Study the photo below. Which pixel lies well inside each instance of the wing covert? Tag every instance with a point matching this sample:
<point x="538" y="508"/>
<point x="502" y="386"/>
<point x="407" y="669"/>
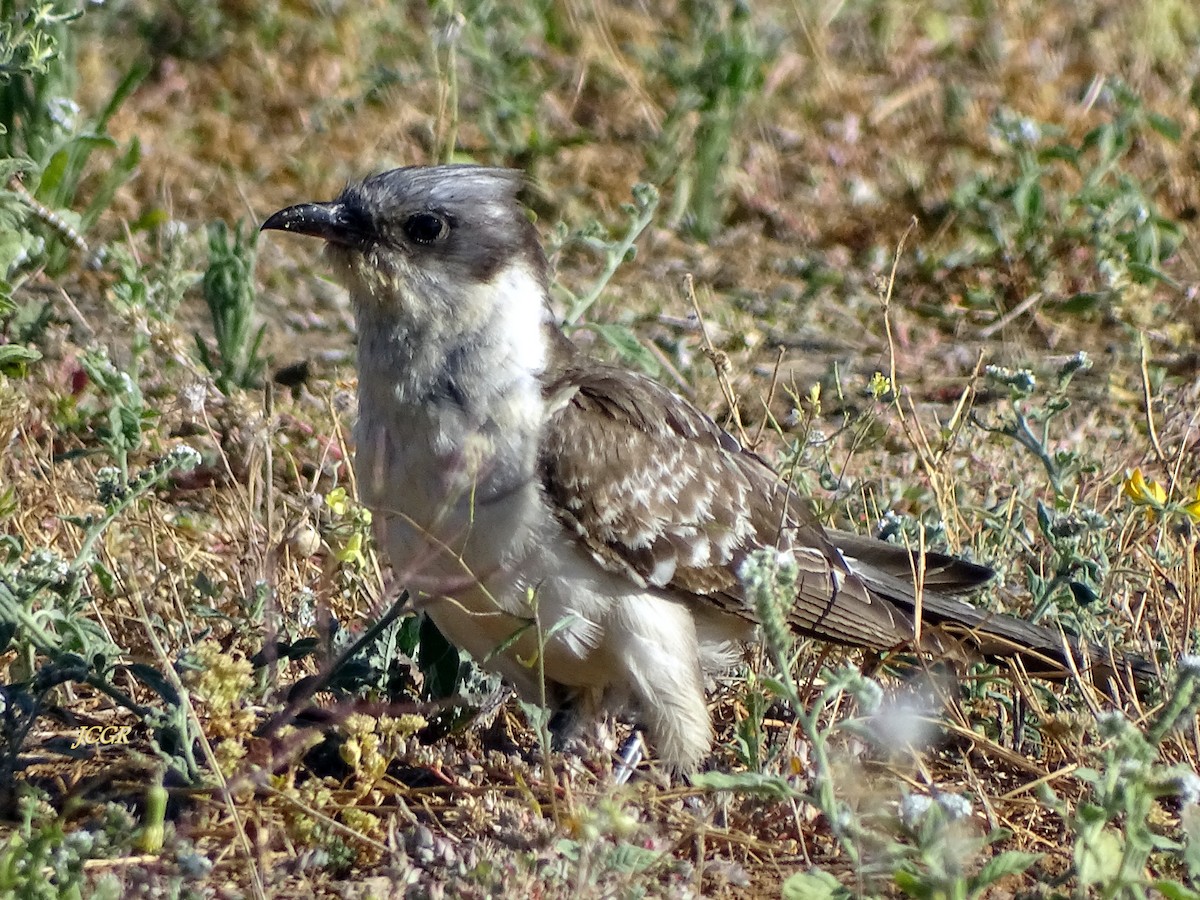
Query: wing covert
<point x="657" y="491"/>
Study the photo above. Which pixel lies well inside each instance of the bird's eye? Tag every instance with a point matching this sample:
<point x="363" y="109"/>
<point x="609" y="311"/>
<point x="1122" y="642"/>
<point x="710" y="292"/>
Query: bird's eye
<point x="425" y="228"/>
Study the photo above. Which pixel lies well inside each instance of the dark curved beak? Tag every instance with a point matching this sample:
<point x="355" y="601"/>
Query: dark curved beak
<point x="321" y="220"/>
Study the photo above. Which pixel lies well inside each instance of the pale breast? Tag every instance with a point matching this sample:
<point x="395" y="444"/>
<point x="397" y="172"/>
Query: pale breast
<point x="453" y="505"/>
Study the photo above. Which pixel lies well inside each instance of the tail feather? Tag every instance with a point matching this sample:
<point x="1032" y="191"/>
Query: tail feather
<point x="889" y="571"/>
<point x="945" y="573"/>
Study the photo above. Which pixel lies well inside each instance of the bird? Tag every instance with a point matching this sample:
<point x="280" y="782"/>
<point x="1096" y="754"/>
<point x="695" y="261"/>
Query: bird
<point x="572" y="524"/>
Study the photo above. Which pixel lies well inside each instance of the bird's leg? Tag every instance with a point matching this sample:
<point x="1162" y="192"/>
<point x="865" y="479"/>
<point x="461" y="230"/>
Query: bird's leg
<point x="565" y="722"/>
<point x="629" y="756"/>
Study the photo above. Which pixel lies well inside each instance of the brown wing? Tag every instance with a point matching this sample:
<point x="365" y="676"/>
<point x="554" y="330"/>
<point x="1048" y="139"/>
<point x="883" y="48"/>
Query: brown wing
<point x="656" y="490"/>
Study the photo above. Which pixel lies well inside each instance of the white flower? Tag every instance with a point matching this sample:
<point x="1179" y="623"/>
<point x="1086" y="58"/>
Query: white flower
<point x="1189" y="664"/>
<point x="913" y="809"/>
<point x="63" y="112"/>
<point x="956" y="806"/>
<point x="1187" y="785"/>
<point x="183" y="456"/>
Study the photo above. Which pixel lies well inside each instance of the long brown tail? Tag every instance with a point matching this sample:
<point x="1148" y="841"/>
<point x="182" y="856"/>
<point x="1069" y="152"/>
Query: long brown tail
<point x="888" y="572"/>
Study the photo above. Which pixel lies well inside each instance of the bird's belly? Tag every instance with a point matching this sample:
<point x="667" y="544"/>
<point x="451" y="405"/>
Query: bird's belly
<point x="470" y="529"/>
<point x="544" y="617"/>
<point x="449" y="517"/>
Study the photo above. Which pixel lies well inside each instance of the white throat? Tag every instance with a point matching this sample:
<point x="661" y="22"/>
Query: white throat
<point x="472" y="343"/>
<point x="451" y="411"/>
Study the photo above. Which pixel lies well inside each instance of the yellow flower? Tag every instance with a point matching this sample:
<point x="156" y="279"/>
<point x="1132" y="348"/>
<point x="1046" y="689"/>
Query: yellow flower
<point x="352" y="551"/>
<point x="338" y="501"/>
<point x="879" y="386"/>
<point x="1193" y="508"/>
<point x="1143" y="492"/>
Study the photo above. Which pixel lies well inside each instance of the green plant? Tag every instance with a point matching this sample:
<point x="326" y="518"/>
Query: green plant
<point x="14" y="358"/>
<point x="933" y="857"/>
<point x="40" y="860"/>
<point x="1115" y="835"/>
<point x="1050" y="195"/>
<point x="383" y="665"/>
<point x="944" y="846"/>
<point x="1078" y="565"/>
<point x="750" y="740"/>
<point x="44" y="143"/>
<point x="1076" y="535"/>
<point x="230" y="296"/>
<point x="717" y="68"/>
<point x="603" y="846"/>
<point x="613" y="250"/>
<point x="43" y="614"/>
<point x="126" y="416"/>
<point x="1029" y="425"/>
<point x="156" y="287"/>
<point x="495" y="44"/>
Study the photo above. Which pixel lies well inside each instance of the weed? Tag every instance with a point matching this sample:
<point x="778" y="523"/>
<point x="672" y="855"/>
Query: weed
<point x="14" y="358"/>
<point x="613" y="251"/>
<point x="1052" y="195"/>
<point x="944" y="847"/>
<point x="1115" y="834"/>
<point x="494" y="42"/>
<point x="43" y="613"/>
<point x="41" y="860"/>
<point x="127" y="416"/>
<point x="154" y="288"/>
<point x="716" y="68"/>
<point x="1029" y="426"/>
<point x="936" y="859"/>
<point x="230" y="297"/>
<point x="45" y="144"/>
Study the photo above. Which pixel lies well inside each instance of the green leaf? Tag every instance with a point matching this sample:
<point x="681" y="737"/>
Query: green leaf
<point x="813" y="885"/>
<point x="155" y="680"/>
<point x="1084" y="594"/>
<point x="1029" y="202"/>
<point x="1012" y="862"/>
<point x="760" y="784"/>
<point x="104" y="576"/>
<point x="627" y="344"/>
<point x="630" y="858"/>
<point x="775" y="687"/>
<point x="115" y="176"/>
<point x="438" y="661"/>
<point x="56" y="188"/>
<point x="149" y="219"/>
<point x="1189" y="820"/>
<point x="1162" y="843"/>
<point x="911" y="884"/>
<point x="1144" y="274"/>
<point x="1083" y="302"/>
<point x="128" y="85"/>
<point x="1098" y="857"/>
<point x="509" y="641"/>
<point x="283" y="650"/>
<point x="1173" y="890"/>
<point x="14" y="358"/>
<point x="7" y="631"/>
<point x="1164" y="125"/>
<point x="1059" y="153"/>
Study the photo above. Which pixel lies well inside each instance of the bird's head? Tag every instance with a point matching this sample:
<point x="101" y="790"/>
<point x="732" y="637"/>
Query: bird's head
<point x="442" y="237"/>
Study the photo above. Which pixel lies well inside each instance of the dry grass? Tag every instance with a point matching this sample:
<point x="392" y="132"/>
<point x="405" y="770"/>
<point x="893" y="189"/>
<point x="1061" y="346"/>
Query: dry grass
<point x="867" y="116"/>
